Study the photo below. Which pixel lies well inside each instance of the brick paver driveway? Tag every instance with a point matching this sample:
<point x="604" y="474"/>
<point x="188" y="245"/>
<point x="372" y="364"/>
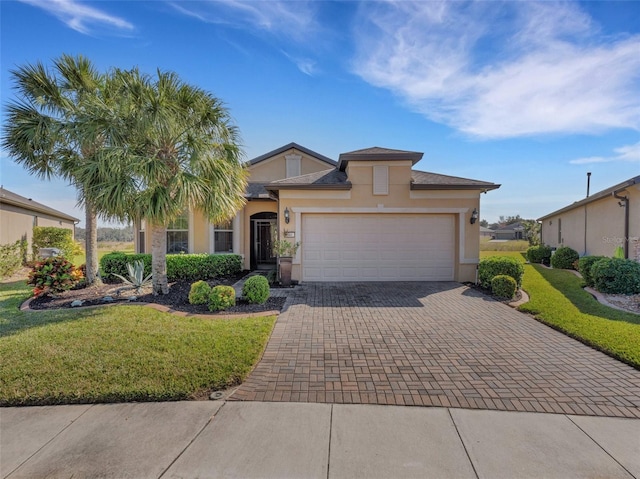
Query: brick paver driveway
<point x="432" y="344"/>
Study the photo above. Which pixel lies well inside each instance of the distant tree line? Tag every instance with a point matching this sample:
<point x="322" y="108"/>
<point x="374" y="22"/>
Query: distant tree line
<point x="121" y="235"/>
<point x="531" y="227"/>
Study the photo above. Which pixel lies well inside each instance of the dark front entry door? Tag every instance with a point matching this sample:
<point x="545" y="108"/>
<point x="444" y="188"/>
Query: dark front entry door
<point x="264" y="233"/>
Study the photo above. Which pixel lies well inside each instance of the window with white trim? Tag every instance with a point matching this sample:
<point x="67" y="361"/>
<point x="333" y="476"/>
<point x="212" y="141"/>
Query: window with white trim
<point x="381" y="180"/>
<point x="223" y="237"/>
<point x="178" y="235"/>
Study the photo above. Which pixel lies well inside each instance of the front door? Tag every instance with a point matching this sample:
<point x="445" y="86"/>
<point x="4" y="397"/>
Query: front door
<point x="264" y="231"/>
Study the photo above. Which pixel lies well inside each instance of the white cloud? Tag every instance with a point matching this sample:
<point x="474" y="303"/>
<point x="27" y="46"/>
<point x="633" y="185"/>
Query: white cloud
<point x="79" y="16"/>
<point x="624" y="153"/>
<point x="499" y="70"/>
<point x="282" y="18"/>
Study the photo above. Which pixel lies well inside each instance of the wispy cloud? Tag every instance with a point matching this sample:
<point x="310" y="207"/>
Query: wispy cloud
<point x="499" y="70"/>
<point x="80" y="17"/>
<point x="282" y="18"/>
<point x="624" y="153"/>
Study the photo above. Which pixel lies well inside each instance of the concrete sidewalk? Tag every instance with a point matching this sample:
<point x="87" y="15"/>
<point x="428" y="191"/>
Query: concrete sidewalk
<point x="301" y="440"/>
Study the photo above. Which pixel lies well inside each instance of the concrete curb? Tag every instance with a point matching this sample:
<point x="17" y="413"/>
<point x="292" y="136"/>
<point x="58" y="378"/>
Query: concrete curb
<point x="524" y="298"/>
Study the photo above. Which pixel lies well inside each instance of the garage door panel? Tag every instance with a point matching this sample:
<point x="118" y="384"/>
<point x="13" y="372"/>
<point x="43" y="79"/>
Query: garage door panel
<point x="377" y="247"/>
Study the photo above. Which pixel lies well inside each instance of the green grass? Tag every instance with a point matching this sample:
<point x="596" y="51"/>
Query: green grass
<point x="512" y="254"/>
<point x="121" y="353"/>
<point x="558" y="300"/>
<point x="105" y="247"/>
<point x="511" y="245"/>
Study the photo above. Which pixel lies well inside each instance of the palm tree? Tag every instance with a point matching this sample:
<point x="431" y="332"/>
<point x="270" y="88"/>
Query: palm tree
<point x="42" y="132"/>
<point x="170" y="147"/>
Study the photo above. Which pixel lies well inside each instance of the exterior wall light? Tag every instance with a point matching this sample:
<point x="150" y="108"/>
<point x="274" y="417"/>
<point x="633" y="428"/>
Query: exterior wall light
<point x="474" y="216"/>
<point x="287" y="217"/>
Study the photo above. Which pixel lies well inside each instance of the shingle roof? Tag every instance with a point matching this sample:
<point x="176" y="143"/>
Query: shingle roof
<point x="596" y="196"/>
<point x="289" y="146"/>
<point x="331" y="179"/>
<point x="377" y="153"/>
<point x="15" y="199"/>
<point x="424" y="180"/>
<point x="256" y="191"/>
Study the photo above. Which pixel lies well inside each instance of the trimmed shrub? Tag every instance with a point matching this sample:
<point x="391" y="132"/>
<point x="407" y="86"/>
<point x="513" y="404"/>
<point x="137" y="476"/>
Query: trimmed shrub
<point x="503" y="286"/>
<point x="53" y="275"/>
<point x="221" y="297"/>
<point x="12" y="256"/>
<point x="256" y="289"/>
<point x="490" y="267"/>
<point x="539" y="254"/>
<point x="188" y="267"/>
<point x="564" y="257"/>
<point x="199" y="292"/>
<point x="616" y="276"/>
<point x="52" y="237"/>
<point x="584" y="267"/>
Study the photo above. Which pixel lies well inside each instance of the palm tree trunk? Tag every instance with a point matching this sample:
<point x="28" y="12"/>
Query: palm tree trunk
<point x="91" y="244"/>
<point x="159" y="259"/>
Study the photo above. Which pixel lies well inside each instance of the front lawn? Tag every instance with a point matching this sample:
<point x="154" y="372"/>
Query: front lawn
<point x="122" y="353"/>
<point x="557" y="299"/>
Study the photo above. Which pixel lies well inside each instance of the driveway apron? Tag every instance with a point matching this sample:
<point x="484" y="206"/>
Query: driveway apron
<point x="432" y="344"/>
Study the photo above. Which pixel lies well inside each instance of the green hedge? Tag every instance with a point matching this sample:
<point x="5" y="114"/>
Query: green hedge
<point x="12" y="256"/>
<point x="490" y="267"/>
<point x="616" y="276"/>
<point x="52" y="237"/>
<point x="539" y="254"/>
<point x="564" y="258"/>
<point x="503" y="286"/>
<point x="584" y="267"/>
<point x="188" y="267"/>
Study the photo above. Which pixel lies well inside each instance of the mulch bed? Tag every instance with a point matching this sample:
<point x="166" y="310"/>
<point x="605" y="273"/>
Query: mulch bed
<point x="177" y="298"/>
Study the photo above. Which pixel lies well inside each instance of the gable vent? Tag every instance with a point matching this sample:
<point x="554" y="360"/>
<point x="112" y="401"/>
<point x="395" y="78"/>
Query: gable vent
<point x="381" y="180"/>
<point x="293" y="165"/>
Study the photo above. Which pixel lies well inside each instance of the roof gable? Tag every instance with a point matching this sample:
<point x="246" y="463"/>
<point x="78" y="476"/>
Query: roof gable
<point x="289" y="146"/>
<point x="376" y="153"/>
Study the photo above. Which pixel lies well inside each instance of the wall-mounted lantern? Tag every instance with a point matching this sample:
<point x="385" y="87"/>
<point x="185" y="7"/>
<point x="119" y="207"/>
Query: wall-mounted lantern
<point x="287" y="217"/>
<point x="474" y="216"/>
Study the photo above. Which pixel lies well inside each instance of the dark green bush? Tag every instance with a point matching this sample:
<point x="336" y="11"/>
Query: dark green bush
<point x="616" y="276"/>
<point x="53" y="275"/>
<point x="52" y="237"/>
<point x="12" y="256"/>
<point x="221" y="297"/>
<point x="539" y="254"/>
<point x="199" y="292"/>
<point x="188" y="267"/>
<point x="490" y="267"/>
<point x="503" y="286"/>
<point x="564" y="257"/>
<point x="256" y="289"/>
<point x="584" y="267"/>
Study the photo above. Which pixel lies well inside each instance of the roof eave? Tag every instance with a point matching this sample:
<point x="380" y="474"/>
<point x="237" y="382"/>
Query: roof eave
<point x="277" y="187"/>
<point x="482" y="188"/>
<point x="36" y="208"/>
<point x="345" y="158"/>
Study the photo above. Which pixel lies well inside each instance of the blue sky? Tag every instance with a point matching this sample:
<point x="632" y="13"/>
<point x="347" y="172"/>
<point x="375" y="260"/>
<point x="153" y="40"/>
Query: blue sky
<point x="530" y="95"/>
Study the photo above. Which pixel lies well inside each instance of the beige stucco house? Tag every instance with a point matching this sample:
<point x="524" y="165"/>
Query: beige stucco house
<point x="367" y="217"/>
<point x="596" y="225"/>
<point x="18" y="216"/>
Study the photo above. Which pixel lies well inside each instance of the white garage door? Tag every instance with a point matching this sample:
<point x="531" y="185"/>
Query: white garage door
<point x="377" y="247"/>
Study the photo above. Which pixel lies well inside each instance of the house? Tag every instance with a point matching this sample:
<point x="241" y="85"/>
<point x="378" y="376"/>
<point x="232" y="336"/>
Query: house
<point x="514" y="231"/>
<point x="18" y="216"/>
<point x="367" y="217"/>
<point x="599" y="223"/>
<point x="486" y="232"/>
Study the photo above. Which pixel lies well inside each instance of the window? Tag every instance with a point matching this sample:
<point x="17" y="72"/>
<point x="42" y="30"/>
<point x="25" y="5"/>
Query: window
<point x="178" y="235"/>
<point x="293" y="165"/>
<point x="381" y="180"/>
<point x="559" y="231"/>
<point x="223" y="238"/>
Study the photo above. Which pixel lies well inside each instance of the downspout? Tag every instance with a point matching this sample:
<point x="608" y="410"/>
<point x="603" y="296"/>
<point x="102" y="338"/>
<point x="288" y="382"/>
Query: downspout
<point x="625" y="203"/>
<point x="585" y="212"/>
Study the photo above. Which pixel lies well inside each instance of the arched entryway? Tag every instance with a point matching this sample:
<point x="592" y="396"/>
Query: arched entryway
<point x="263" y="233"/>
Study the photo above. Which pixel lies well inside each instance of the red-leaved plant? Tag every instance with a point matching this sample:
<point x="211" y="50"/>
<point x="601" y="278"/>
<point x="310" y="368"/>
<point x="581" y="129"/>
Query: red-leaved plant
<point x="53" y="275"/>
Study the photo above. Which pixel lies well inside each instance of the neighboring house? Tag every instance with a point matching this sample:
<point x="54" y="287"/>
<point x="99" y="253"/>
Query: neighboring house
<point x="18" y="216"/>
<point x="486" y="232"/>
<point x="367" y="217"/>
<point x="513" y="231"/>
<point x="599" y="223"/>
